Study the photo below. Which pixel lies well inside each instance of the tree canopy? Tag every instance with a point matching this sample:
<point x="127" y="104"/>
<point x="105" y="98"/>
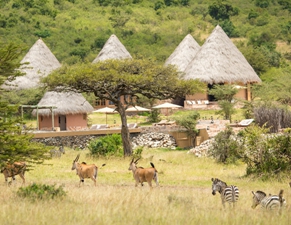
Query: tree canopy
<point x="9" y="54"/>
<point x="112" y="79"/>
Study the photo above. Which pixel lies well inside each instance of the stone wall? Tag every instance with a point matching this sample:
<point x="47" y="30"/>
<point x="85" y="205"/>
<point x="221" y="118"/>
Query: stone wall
<point x="82" y="141"/>
<point x="75" y="142"/>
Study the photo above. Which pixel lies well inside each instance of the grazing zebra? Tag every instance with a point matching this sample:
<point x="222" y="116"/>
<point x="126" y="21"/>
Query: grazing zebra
<point x="57" y="152"/>
<point x="271" y="202"/>
<point x="228" y="194"/>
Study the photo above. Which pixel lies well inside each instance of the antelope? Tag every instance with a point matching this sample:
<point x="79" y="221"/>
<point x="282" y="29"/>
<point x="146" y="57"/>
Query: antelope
<point x="143" y="175"/>
<point x="85" y="171"/>
<point x="11" y="170"/>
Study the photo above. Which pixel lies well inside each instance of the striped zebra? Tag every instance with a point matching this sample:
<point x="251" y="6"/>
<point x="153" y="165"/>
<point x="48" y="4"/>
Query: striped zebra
<point x="271" y="202"/>
<point x="57" y="152"/>
<point x="228" y="194"/>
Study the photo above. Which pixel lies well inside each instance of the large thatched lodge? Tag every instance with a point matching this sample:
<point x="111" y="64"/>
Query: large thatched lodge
<point x="217" y="61"/>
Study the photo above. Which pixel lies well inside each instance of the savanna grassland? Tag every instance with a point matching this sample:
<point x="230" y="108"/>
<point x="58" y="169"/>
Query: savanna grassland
<point x="184" y="195"/>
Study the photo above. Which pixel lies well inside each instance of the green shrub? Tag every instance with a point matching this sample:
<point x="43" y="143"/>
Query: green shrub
<point x="225" y="148"/>
<point x="189" y="122"/>
<point x="107" y="145"/>
<point x="137" y="152"/>
<point x="154" y="116"/>
<point x="267" y="156"/>
<point x="41" y="191"/>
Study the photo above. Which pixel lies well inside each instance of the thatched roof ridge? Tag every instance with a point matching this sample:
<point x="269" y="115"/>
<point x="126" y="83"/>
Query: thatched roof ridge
<point x="113" y="49"/>
<point x="184" y="53"/>
<point x="41" y="63"/>
<point x="219" y="61"/>
<point x="66" y="103"/>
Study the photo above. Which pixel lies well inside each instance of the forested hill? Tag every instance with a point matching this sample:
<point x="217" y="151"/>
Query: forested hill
<point x="76" y="30"/>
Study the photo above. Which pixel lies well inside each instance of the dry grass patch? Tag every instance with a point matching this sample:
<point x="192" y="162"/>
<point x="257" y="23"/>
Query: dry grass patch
<point x="184" y="196"/>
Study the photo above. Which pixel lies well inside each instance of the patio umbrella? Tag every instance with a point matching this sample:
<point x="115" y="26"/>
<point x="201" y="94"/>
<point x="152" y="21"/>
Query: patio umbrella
<point x="105" y="110"/>
<point x="167" y="106"/>
<point x="137" y="109"/>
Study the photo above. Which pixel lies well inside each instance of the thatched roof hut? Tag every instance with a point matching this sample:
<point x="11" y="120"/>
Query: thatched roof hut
<point x="66" y="103"/>
<point x="219" y="61"/>
<point x="184" y="53"/>
<point x="113" y="49"/>
<point x="41" y="63"/>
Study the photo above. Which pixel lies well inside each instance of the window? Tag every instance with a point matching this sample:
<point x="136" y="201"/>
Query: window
<point x="100" y="102"/>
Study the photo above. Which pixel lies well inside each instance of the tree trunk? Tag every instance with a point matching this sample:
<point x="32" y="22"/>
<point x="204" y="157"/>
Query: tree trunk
<point x="127" y="148"/>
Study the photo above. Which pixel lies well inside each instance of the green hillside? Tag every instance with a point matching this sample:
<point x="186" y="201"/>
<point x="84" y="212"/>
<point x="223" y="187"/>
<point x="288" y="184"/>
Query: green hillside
<point x="76" y="30"/>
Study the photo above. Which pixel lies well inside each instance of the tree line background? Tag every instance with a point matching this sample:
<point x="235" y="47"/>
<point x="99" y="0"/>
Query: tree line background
<point x="76" y="30"/>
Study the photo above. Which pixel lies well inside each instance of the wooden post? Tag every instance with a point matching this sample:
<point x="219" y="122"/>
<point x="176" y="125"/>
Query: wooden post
<point x="249" y="94"/>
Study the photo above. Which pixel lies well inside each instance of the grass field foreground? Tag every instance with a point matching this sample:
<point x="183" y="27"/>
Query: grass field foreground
<point x="184" y="195"/>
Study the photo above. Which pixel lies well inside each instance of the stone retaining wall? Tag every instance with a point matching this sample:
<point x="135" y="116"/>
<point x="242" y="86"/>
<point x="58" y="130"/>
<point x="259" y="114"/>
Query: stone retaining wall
<point x="82" y="141"/>
<point x="75" y="142"/>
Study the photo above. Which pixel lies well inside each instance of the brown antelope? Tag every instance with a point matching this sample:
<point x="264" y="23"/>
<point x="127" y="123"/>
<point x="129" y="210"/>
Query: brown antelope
<point x="85" y="171"/>
<point x="11" y="170"/>
<point x="143" y="175"/>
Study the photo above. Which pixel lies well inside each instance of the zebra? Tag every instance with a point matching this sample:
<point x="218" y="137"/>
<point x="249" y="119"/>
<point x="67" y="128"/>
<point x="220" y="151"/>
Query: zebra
<point x="271" y="202"/>
<point x="228" y="194"/>
<point x="57" y="152"/>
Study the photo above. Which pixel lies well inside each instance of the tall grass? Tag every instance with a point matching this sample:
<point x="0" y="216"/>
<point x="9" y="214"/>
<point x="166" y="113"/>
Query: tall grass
<point x="184" y="195"/>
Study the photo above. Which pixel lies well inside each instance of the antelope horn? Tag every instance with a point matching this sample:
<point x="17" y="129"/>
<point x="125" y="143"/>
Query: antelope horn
<point x="136" y="160"/>
<point x="77" y="158"/>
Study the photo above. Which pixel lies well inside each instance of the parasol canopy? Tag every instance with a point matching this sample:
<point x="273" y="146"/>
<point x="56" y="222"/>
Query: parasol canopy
<point x="105" y="110"/>
<point x="167" y="106"/>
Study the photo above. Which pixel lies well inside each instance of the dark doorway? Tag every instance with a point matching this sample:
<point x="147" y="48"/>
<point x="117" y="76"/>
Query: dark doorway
<point x="211" y="98"/>
<point x="62" y="122"/>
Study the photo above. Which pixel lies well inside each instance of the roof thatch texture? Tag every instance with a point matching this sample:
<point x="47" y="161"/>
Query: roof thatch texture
<point x="184" y="53"/>
<point x="113" y="49"/>
<point x="41" y="63"/>
<point x="66" y="103"/>
<point x="219" y="61"/>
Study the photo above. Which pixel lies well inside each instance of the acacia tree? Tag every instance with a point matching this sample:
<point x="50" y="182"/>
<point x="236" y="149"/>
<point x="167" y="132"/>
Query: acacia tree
<point x="112" y="79"/>
<point x="15" y="143"/>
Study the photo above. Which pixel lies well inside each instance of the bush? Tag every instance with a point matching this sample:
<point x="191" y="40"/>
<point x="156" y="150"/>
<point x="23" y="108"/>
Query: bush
<point x="137" y="152"/>
<point x="272" y="116"/>
<point x="189" y="122"/>
<point x="267" y="156"/>
<point x="154" y="116"/>
<point x="107" y="145"/>
<point x="225" y="148"/>
<point x="41" y="191"/>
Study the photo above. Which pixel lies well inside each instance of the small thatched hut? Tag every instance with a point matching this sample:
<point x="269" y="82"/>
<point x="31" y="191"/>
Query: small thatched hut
<point x="41" y="63"/>
<point x="69" y="113"/>
<point x="184" y="53"/>
<point x="113" y="49"/>
<point x="219" y="62"/>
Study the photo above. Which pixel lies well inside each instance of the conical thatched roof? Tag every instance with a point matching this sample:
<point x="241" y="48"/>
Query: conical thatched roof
<point x="41" y="63"/>
<point x="66" y="103"/>
<point x="220" y="61"/>
<point x="184" y="53"/>
<point x="113" y="49"/>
